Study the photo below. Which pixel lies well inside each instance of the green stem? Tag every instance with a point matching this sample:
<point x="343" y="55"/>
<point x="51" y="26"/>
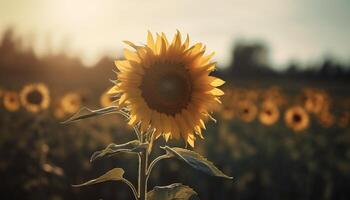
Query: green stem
<point x="143" y="161"/>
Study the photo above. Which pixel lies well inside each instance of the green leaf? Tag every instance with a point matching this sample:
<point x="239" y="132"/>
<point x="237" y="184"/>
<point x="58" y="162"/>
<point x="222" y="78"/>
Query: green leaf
<point x="115" y="174"/>
<point x="171" y="192"/>
<point x="112" y="149"/>
<point x="85" y="113"/>
<point x="195" y="160"/>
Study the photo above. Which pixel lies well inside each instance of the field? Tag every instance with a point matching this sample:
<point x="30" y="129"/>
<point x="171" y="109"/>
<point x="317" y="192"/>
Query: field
<point x="41" y="157"/>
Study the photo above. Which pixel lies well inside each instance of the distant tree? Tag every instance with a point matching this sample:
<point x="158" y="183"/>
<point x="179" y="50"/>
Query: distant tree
<point x="8" y="41"/>
<point x="249" y="58"/>
<point x="292" y="68"/>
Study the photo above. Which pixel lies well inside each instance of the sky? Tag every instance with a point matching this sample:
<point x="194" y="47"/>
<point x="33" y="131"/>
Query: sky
<point x="294" y="30"/>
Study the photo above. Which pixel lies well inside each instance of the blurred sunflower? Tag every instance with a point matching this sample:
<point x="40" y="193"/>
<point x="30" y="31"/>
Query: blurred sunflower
<point x="167" y="86"/>
<point x="275" y="95"/>
<point x="296" y="118"/>
<point x="269" y="113"/>
<point x="326" y="119"/>
<point x="35" y="97"/>
<point x="107" y="99"/>
<point x="71" y="102"/>
<point x="11" y="101"/>
<point x="58" y="111"/>
<point x="247" y="110"/>
<point x="315" y="101"/>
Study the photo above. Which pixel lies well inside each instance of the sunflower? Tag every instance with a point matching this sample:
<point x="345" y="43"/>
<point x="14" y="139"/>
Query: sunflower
<point x="106" y="99"/>
<point x="167" y="86"/>
<point x="247" y="110"/>
<point x="269" y="113"/>
<point x="35" y="97"/>
<point x="11" y="101"/>
<point x="58" y="111"/>
<point x="275" y="95"/>
<point x="315" y="101"/>
<point x="71" y="102"/>
<point x="326" y="118"/>
<point x="227" y="112"/>
<point x="297" y="118"/>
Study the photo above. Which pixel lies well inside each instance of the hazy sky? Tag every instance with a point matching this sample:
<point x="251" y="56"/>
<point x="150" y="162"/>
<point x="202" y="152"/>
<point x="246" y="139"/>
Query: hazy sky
<point x="304" y="30"/>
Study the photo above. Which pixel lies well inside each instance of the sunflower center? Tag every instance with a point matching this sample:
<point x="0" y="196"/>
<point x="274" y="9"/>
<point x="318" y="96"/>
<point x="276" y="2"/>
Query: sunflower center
<point x="166" y="87"/>
<point x="74" y="102"/>
<point x="34" y="97"/>
<point x="246" y="110"/>
<point x="296" y="118"/>
<point x="268" y="112"/>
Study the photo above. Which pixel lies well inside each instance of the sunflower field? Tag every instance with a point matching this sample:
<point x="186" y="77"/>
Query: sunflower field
<point x="278" y="138"/>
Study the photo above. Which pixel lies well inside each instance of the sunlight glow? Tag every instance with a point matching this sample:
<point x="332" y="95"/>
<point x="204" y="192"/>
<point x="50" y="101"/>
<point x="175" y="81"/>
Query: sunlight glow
<point x="293" y="29"/>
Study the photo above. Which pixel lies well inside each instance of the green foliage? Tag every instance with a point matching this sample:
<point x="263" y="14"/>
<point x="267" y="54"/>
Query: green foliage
<point x="133" y="146"/>
<point x="86" y="113"/>
<point x="172" y="192"/>
<point x="115" y="174"/>
<point x="195" y="160"/>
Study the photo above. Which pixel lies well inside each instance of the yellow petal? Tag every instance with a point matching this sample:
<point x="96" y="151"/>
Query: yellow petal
<point x="132" y="120"/>
<point x="123" y="65"/>
<point x="114" y="90"/>
<point x="202" y="124"/>
<point x="216" y="82"/>
<point x="199" y="131"/>
<point x="165" y="39"/>
<point x="177" y="40"/>
<point x="196" y="48"/>
<point x="129" y="55"/>
<point x="205" y="59"/>
<point x="131" y="44"/>
<point x="158" y="44"/>
<point x="190" y="140"/>
<point x="122" y="99"/>
<point x="167" y="136"/>
<point x="187" y="42"/>
<point x="150" y="41"/>
<point x="163" y="48"/>
<point x="216" y="92"/>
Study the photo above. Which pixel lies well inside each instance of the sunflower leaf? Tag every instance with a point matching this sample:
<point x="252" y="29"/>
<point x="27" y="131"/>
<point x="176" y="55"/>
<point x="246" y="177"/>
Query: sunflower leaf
<point x="133" y="146"/>
<point x="195" y="160"/>
<point x="85" y="113"/>
<point x="173" y="191"/>
<point x="115" y="174"/>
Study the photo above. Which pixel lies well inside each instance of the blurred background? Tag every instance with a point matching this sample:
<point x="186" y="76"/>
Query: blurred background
<point x="282" y="131"/>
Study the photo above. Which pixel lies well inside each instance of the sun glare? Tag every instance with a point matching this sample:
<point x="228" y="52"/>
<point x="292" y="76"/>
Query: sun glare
<point x="74" y="13"/>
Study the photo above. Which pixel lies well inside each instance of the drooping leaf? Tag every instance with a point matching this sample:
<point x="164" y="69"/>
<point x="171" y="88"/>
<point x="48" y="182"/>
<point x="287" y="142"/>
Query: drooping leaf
<point x="112" y="149"/>
<point x="85" y="113"/>
<point x="195" y="160"/>
<point x="115" y="174"/>
<point x="171" y="192"/>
